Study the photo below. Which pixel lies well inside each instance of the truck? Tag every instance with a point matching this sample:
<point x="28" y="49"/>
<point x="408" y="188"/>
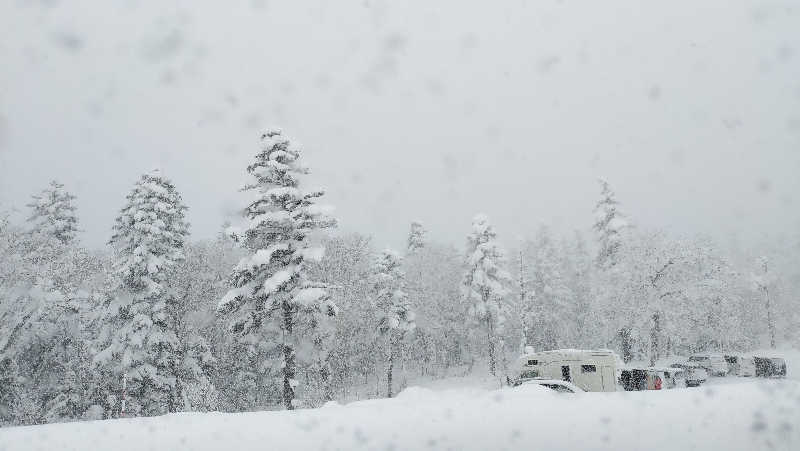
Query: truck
<point x="591" y="370"/>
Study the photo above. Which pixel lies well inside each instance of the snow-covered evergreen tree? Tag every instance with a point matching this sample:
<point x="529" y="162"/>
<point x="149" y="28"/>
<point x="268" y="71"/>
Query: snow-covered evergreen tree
<point x="395" y="317"/>
<point x="484" y="286"/>
<point x="609" y="225"/>
<point x="142" y="344"/>
<point x="417" y="237"/>
<point x="272" y="293"/>
<point x="53" y="213"/>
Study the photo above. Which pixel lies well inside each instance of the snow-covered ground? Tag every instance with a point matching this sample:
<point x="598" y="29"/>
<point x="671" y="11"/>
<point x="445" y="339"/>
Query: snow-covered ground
<point x="752" y="414"/>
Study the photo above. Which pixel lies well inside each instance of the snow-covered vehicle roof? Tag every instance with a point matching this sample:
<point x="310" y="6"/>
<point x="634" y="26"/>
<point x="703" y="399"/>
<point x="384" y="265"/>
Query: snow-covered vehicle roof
<point x="693" y="370"/>
<point x="574" y="353"/>
<point x="705" y="355"/>
<point x="663" y="368"/>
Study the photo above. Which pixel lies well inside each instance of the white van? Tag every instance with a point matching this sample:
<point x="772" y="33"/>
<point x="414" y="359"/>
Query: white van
<point x="741" y="365"/>
<point x="714" y="364"/>
<point x="589" y="370"/>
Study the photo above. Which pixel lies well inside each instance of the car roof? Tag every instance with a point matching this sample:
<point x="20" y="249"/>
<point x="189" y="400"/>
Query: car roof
<point x="686" y="365"/>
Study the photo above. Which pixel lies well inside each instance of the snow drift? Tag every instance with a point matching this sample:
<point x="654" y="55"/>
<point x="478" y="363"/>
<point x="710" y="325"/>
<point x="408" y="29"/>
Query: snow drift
<point x="738" y="416"/>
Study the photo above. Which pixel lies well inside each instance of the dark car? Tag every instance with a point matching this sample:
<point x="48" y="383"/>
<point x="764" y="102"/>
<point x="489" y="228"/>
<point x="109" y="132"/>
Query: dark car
<point x="770" y="367"/>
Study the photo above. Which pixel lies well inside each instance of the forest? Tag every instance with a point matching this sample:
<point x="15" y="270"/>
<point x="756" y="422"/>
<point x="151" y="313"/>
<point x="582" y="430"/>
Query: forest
<point x="283" y="310"/>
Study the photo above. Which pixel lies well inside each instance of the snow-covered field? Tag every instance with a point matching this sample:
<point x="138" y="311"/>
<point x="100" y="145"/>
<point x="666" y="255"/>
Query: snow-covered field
<point x="751" y="414"/>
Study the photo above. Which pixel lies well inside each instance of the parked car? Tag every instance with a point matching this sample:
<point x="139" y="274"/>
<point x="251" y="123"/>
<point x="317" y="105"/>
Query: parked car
<point x="676" y="378"/>
<point x="741" y="365"/>
<point x="633" y="379"/>
<point x="554" y="384"/>
<point x="694" y="373"/>
<point x="652" y="378"/>
<point x="670" y="377"/>
<point x="770" y="367"/>
<point x="714" y="364"/>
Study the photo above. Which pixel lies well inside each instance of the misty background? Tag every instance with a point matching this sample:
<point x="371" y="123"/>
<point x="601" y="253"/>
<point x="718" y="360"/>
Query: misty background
<point x="409" y="111"/>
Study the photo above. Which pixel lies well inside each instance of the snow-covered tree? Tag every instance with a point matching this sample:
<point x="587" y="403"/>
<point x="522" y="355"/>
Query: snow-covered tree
<point x="433" y="280"/>
<point x="762" y="280"/>
<point x="53" y="213"/>
<point x="577" y="266"/>
<point x="141" y="343"/>
<point x="10" y="391"/>
<point x="271" y="292"/>
<point x="609" y="225"/>
<point x="417" y="237"/>
<point x="43" y="291"/>
<point x="484" y="286"/>
<point x="395" y="317"/>
<point x="54" y="355"/>
<point x="353" y="354"/>
<point x="525" y="297"/>
<point x="631" y="294"/>
<point x="553" y="316"/>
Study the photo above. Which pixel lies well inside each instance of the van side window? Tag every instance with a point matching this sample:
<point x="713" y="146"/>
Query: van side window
<point x="533" y="362"/>
<point x="588" y="369"/>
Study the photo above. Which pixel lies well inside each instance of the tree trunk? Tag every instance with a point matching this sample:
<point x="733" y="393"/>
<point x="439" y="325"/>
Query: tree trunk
<point x="626" y="344"/>
<point x="327" y="383"/>
<point x="490" y="337"/>
<point x="288" y="358"/>
<point x="770" y="322"/>
<point x="175" y="396"/>
<point x="389" y="369"/>
<point x="655" y="334"/>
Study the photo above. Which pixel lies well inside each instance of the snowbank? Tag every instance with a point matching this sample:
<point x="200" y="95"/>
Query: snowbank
<point x="740" y="416"/>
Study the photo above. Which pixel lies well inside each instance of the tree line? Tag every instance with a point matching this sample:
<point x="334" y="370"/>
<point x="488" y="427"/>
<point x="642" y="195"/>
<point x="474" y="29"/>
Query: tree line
<point x="281" y="311"/>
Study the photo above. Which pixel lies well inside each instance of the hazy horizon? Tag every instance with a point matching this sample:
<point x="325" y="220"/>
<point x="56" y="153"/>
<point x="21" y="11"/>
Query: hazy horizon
<point x="407" y="112"/>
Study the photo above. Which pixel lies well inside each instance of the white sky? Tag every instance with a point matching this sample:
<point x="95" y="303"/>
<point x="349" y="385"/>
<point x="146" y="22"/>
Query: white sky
<point x="416" y="109"/>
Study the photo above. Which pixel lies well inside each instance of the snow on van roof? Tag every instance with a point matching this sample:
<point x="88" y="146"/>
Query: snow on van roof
<point x="570" y="355"/>
<point x="574" y="351"/>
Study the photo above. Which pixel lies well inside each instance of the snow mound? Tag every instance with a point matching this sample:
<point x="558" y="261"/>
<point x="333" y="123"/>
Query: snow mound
<point x="739" y="416"/>
<point x="415" y="393"/>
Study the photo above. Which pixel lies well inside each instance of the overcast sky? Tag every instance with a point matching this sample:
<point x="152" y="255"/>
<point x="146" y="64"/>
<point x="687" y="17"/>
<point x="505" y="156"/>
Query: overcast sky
<point x="429" y="110"/>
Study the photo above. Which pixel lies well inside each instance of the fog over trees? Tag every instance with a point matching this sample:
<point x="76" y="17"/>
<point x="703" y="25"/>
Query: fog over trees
<point x="281" y="310"/>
